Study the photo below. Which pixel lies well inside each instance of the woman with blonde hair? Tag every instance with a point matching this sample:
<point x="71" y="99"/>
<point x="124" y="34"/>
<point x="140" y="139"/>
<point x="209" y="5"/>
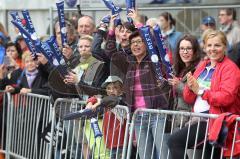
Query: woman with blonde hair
<point x="88" y="70"/>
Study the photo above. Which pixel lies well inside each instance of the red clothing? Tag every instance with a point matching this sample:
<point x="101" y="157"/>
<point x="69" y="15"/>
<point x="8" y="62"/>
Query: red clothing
<point x="112" y="134"/>
<point x="224" y="93"/>
<point x="19" y="63"/>
<point x="230" y="120"/>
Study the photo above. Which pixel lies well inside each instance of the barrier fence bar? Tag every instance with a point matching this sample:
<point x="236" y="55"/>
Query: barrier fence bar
<point x="153" y="128"/>
<point x="31" y="128"/>
<point x="28" y="116"/>
<point x="234" y="140"/>
<point x="58" y="127"/>
<point x="76" y="139"/>
<point x="4" y="118"/>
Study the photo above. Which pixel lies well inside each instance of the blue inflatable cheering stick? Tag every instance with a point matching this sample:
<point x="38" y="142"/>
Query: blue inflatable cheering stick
<point x="115" y="10"/>
<point x="51" y="41"/>
<point x="162" y="50"/>
<point x="40" y="46"/>
<point x="28" y="41"/>
<point x="108" y="102"/>
<point x="130" y="4"/>
<point x="62" y="24"/>
<point x="146" y="34"/>
<point x="29" y="24"/>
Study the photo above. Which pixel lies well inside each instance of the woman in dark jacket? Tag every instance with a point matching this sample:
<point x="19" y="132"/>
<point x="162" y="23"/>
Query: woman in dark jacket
<point x="187" y="57"/>
<point x="31" y="80"/>
<point x="142" y="90"/>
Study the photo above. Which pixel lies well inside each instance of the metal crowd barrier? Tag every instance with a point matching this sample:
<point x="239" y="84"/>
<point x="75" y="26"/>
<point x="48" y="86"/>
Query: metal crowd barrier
<point x="27" y="117"/>
<point x="76" y="139"/>
<point x="150" y="130"/>
<point x="236" y="130"/>
<point x="4" y="108"/>
<point x="31" y="128"/>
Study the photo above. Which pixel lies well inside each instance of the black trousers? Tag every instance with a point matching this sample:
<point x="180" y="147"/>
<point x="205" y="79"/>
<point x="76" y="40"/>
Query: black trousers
<point x="178" y="140"/>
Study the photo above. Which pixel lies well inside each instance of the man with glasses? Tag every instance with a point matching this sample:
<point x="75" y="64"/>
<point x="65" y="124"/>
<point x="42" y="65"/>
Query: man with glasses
<point x="227" y="18"/>
<point x="230" y="26"/>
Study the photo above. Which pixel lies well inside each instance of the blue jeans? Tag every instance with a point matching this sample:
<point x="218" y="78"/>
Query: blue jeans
<point x="149" y="136"/>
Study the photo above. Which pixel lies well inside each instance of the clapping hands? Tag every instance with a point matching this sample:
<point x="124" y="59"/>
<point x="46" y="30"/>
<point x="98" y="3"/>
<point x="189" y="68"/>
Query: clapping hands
<point x="192" y="83"/>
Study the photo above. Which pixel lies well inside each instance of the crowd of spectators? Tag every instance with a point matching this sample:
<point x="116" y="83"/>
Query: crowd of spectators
<point x="111" y="60"/>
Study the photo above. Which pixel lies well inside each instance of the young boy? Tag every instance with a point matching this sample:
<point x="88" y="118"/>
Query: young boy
<point x="113" y="125"/>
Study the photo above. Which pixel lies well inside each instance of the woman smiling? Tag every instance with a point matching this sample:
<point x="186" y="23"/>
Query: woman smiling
<point x="214" y="81"/>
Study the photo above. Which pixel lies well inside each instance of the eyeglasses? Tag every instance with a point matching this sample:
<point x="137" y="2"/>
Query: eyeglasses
<point x="188" y="49"/>
<point x="136" y="42"/>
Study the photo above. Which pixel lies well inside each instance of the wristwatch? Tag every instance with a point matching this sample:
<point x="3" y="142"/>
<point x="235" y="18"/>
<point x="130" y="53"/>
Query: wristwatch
<point x="200" y="92"/>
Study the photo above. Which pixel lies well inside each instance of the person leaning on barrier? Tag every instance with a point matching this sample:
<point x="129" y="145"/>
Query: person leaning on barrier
<point x="187" y="57"/>
<point x="141" y="87"/>
<point x="113" y="127"/>
<point x="31" y="79"/>
<point x="112" y="124"/>
<point x="213" y="88"/>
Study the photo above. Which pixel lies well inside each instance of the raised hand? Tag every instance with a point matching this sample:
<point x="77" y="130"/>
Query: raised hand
<point x="104" y="23"/>
<point x="41" y="58"/>
<point x="111" y="24"/>
<point x="3" y="71"/>
<point x="93" y="105"/>
<point x="67" y="51"/>
<point x="133" y="14"/>
<point x="13" y="63"/>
